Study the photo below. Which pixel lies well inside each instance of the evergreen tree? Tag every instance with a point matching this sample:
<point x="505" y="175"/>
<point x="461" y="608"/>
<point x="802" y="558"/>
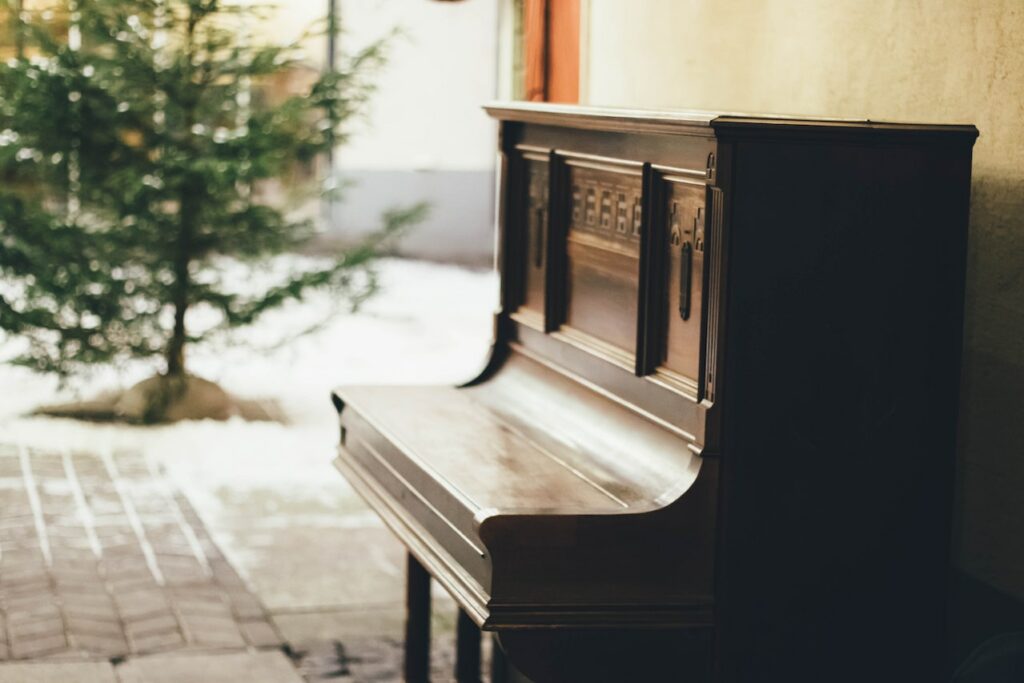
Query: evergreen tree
<point x="139" y="145"/>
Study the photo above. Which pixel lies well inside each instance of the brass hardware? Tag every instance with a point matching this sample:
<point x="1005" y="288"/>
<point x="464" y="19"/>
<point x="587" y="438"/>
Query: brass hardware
<point x="698" y="230"/>
<point x="676" y="233"/>
<point x="538" y="254"/>
<point x="685" y="267"/>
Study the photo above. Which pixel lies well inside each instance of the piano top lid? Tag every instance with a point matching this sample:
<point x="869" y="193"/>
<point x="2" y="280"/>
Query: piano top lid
<point x="693" y="121"/>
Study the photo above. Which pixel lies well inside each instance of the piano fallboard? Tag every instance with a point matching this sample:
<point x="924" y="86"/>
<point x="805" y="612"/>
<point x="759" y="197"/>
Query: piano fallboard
<point x="554" y="466"/>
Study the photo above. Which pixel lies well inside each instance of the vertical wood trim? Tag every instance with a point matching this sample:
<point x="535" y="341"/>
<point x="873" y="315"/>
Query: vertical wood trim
<point x="558" y="228"/>
<point x="551" y="38"/>
<point x="648" y="333"/>
<point x="713" y="284"/>
<point x="535" y="40"/>
<point x="504" y="253"/>
<point x="563" y="51"/>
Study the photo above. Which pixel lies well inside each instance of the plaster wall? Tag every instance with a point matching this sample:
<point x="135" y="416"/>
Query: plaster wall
<point x="425" y="136"/>
<point x="942" y="61"/>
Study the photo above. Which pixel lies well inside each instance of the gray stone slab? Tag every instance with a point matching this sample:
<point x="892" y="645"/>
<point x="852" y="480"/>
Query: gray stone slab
<point x="78" y="672"/>
<point x="256" y="667"/>
<point x="300" y="567"/>
<point x="260" y="634"/>
<point x="380" y="622"/>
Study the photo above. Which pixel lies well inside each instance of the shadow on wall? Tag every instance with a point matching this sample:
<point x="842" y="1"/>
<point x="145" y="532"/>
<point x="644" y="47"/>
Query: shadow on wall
<point x="992" y="406"/>
<point x="991" y="464"/>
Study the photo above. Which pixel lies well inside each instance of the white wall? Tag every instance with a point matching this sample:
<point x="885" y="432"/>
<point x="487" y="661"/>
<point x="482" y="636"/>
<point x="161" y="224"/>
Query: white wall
<point x="425" y="136"/>
<point x="426" y="113"/>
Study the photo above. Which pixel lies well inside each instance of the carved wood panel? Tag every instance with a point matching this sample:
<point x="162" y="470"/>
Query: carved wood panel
<point x="534" y="235"/>
<point x="603" y="252"/>
<point x="685" y="245"/>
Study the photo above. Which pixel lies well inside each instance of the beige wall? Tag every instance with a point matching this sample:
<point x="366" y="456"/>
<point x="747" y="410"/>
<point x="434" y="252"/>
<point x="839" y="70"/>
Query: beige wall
<point x="956" y="61"/>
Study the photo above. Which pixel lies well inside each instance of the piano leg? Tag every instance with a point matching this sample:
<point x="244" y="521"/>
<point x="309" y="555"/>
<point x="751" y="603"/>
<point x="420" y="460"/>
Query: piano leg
<point x="417" y="622"/>
<point x="499" y="665"/>
<point x="467" y="650"/>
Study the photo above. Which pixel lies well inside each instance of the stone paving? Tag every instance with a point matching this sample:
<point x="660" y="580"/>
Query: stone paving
<point x="101" y="558"/>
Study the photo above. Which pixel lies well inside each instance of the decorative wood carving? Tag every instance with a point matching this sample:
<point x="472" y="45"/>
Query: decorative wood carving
<point x="533" y="231"/>
<point x="603" y="254"/>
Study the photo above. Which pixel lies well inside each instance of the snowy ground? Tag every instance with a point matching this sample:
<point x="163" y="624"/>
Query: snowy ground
<point x="253" y="482"/>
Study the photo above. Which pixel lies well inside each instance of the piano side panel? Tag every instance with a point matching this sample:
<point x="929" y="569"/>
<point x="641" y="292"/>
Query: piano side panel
<point x="616" y="569"/>
<point x="844" y="327"/>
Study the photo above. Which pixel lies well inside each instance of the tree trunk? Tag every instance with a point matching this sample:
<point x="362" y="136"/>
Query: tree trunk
<point x="187" y="217"/>
<point x="176" y="349"/>
<point x="182" y="282"/>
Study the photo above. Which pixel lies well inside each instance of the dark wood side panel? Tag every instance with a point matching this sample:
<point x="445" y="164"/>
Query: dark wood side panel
<point x="840" y="403"/>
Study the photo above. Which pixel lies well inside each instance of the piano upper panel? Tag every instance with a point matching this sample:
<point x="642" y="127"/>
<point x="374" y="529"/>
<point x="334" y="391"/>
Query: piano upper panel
<point x="602" y="255"/>
<point x="606" y="236"/>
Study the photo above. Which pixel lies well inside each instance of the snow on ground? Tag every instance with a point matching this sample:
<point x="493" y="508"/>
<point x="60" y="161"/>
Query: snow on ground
<point x="429" y="323"/>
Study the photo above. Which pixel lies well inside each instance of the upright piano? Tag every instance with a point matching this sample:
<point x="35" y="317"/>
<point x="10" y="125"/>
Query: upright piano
<point x="715" y="437"/>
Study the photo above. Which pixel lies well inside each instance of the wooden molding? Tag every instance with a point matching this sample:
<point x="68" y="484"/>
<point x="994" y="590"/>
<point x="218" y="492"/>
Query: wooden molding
<point x="551" y="37"/>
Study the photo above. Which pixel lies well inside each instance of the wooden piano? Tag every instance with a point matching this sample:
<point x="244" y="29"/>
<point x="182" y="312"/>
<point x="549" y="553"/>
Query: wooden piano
<point x="715" y="439"/>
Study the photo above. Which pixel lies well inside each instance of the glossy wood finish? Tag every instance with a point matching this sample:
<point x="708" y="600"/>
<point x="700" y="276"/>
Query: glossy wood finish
<point x="602" y="252"/>
<point x="715" y="438"/>
<point x="840" y="399"/>
<point x="521" y="456"/>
